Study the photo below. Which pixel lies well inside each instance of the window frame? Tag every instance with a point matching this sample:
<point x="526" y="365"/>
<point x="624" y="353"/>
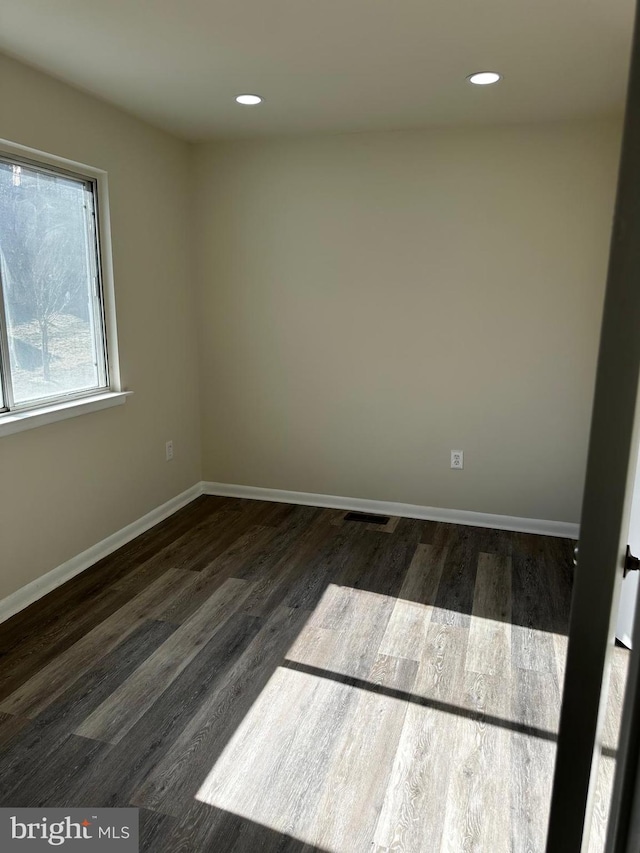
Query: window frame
<point x="17" y="416"/>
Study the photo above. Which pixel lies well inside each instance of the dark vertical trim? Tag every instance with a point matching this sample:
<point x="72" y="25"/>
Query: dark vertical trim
<point x="606" y="504"/>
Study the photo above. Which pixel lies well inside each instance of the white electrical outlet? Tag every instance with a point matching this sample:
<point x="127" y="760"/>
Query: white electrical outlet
<point x="457" y="459"/>
<point x="169" y="451"/>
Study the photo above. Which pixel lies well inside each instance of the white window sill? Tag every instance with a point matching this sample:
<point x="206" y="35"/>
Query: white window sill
<point x="18" y="421"/>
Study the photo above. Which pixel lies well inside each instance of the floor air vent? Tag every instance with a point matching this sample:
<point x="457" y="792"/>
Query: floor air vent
<point x="366" y="519"/>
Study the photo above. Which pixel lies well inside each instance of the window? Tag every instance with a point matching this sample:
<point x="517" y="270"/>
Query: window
<point x="52" y="326"/>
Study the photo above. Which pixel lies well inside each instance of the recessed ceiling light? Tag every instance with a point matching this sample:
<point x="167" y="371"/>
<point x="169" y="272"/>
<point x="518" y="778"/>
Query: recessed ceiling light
<point x="484" y="78"/>
<point x="249" y="100"/>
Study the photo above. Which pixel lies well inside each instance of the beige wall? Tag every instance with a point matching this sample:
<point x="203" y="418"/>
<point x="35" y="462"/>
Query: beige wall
<point x="366" y="303"/>
<point x="66" y="486"/>
<point x="369" y="302"/>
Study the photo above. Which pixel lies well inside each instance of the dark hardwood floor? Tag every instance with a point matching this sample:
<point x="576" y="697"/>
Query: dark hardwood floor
<point x="259" y="676"/>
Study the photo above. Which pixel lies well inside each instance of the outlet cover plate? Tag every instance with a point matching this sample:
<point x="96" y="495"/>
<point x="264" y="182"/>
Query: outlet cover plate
<point x="457" y="459"/>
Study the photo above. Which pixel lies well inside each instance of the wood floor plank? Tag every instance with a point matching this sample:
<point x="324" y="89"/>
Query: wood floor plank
<point x="201" y="822"/>
<point x="344" y="636"/>
<point x="10" y="727"/>
<point x="428" y="532"/>
<point x="234" y="559"/>
<point x="298" y="527"/>
<point x="41" y="690"/>
<point x="153" y="828"/>
<point x="489" y="648"/>
<point x="191" y="551"/>
<point x="535" y="702"/>
<point x="325" y="565"/>
<point x="533" y="618"/>
<point x="556" y="561"/>
<point x="560" y="644"/>
<point x="441" y="671"/>
<point x="226" y="565"/>
<point x="607" y="758"/>
<point x="112" y="720"/>
<point x="186" y="763"/>
<point x="620" y="659"/>
<point x="155" y="540"/>
<point x="601" y="804"/>
<point x="214" y="830"/>
<point x="385" y="570"/>
<point x="412" y="812"/>
<point x="480" y="778"/>
<point x="201" y="543"/>
<point x="72" y="597"/>
<point x="533" y="649"/>
<point x="275" y="514"/>
<point x="492" y="541"/>
<point x="272" y="784"/>
<point x="124" y="563"/>
<point x="276" y="575"/>
<point x="407" y="628"/>
<point x="21" y="759"/>
<point x="295" y="791"/>
<point x="121" y="769"/>
<point x="423" y="575"/>
<point x="454" y="601"/>
<point x="362" y="760"/>
<point x="40" y="647"/>
<point x="53" y="785"/>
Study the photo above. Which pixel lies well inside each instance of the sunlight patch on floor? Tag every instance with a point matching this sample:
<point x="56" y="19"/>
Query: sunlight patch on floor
<point x="310" y="747"/>
<point x="350" y="720"/>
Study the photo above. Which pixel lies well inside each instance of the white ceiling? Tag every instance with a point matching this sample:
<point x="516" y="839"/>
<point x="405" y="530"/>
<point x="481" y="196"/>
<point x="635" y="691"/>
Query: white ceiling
<point x="330" y="65"/>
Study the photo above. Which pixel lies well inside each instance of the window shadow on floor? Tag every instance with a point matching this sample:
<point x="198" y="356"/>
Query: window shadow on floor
<point x="47" y="765"/>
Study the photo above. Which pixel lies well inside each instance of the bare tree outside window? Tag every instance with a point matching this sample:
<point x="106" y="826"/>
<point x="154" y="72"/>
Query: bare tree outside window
<point x="48" y="276"/>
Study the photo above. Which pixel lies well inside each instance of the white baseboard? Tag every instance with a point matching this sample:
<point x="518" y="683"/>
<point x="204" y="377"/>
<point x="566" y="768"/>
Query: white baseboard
<point x="56" y="577"/>
<point x="564" y="530"/>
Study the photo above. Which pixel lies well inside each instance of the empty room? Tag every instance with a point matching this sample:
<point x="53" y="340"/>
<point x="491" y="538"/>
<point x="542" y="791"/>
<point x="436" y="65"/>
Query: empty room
<point x="318" y="429"/>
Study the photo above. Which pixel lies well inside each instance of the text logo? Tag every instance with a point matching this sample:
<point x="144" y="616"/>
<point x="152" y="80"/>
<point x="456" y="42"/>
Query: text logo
<point x="80" y="830"/>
